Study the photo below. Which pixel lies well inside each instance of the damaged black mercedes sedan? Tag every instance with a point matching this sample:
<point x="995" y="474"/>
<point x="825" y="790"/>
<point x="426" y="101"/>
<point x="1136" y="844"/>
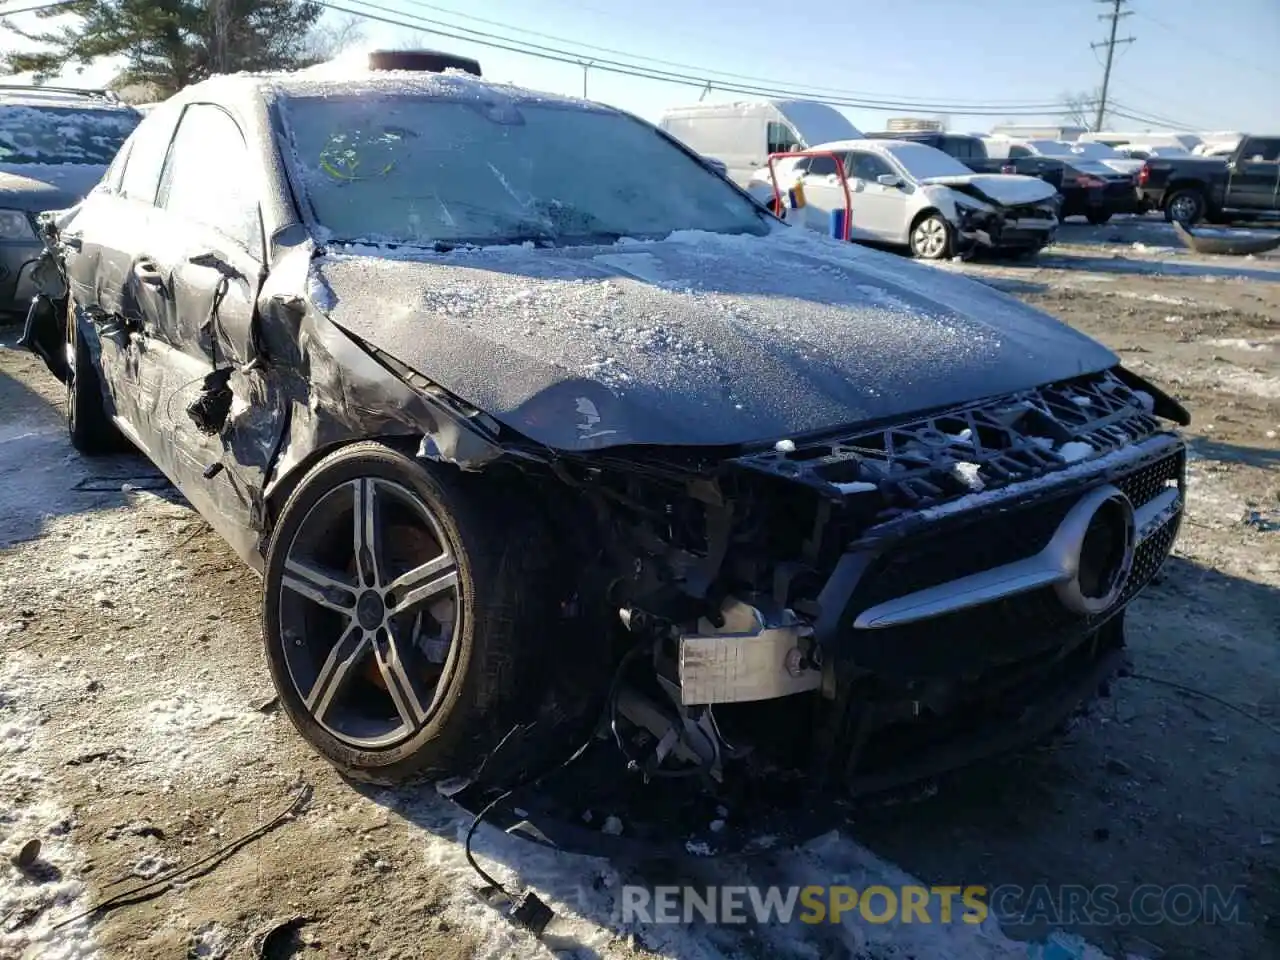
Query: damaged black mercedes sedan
<point x="531" y="421"/>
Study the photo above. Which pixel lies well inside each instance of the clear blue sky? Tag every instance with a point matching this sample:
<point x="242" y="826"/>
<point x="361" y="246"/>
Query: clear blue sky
<point x="1210" y="65"/>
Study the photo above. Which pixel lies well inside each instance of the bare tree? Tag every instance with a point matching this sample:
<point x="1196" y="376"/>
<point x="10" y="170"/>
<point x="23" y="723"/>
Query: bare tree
<point x="1078" y="108"/>
<point x="327" y="40"/>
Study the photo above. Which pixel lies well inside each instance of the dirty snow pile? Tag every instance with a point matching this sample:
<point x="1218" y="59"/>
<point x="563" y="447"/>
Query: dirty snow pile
<point x="34" y="898"/>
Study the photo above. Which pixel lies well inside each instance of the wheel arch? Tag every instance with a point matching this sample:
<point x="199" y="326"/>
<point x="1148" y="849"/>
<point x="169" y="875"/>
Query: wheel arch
<point x="282" y="484"/>
<point x="1177" y="186"/>
<point x="924" y="213"/>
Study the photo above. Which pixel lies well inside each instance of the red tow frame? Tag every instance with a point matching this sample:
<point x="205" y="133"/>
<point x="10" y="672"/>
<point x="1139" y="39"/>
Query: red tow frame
<point x="844" y="181"/>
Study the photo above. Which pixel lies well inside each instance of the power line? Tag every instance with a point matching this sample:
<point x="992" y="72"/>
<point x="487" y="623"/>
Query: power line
<point x="1145" y="116"/>
<point x="700" y="71"/>
<point x="483" y="38"/>
<point x="1114" y="16"/>
<point x="1157" y="99"/>
<point x="1234" y="59"/>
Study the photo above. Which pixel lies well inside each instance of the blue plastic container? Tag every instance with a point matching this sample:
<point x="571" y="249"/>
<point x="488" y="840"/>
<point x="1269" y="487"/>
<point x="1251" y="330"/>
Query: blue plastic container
<point x="837" y="224"/>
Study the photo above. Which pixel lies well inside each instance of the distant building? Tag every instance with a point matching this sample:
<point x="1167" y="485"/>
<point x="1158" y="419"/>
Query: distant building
<point x="1021" y="131"/>
<point x="914" y="124"/>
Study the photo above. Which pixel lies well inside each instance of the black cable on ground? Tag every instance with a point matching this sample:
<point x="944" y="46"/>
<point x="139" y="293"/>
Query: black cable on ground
<point x="1205" y="696"/>
<point x="489" y="807"/>
<point x="188" y="872"/>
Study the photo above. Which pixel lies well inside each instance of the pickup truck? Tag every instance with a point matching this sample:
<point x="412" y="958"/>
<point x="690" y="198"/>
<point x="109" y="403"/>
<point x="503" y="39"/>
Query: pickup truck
<point x="1243" y="186"/>
<point x="1088" y="188"/>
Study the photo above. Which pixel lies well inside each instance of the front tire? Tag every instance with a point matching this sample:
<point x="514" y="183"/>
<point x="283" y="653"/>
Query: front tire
<point x="403" y="610"/>
<point x="1186" y="206"/>
<point x="90" y="429"/>
<point x="931" y="237"/>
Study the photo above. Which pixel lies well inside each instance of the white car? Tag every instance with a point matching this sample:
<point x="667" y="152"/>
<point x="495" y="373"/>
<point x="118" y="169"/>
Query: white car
<point x="909" y="194"/>
<point x="1075" y="152"/>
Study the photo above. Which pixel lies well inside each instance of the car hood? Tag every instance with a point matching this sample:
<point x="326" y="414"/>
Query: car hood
<point x="1005" y="189"/>
<point x="698" y="339"/>
<point x="36" y="187"/>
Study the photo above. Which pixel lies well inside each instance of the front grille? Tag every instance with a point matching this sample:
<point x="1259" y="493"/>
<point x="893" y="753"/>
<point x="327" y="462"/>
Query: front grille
<point x="980" y="447"/>
<point x="1007" y="630"/>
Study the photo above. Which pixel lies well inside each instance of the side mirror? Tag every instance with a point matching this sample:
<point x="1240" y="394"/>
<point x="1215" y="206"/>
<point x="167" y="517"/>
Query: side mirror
<point x="717" y="166"/>
<point x="889" y="180"/>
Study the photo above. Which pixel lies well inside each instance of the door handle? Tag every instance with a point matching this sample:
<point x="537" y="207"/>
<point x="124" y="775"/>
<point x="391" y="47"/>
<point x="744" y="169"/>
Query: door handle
<point x="147" y="272"/>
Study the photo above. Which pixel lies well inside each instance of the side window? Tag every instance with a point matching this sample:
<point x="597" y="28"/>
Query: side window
<point x="146" y="148"/>
<point x="958" y="147"/>
<point x="110" y="182"/>
<point x="867" y="166"/>
<point x="1258" y="149"/>
<point x="1017" y="153"/>
<point x="822" y="166"/>
<point x="781" y="139"/>
<point x="209" y="179"/>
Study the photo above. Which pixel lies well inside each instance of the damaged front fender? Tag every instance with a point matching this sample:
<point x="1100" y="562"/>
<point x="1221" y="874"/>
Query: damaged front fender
<point x="44" y="332"/>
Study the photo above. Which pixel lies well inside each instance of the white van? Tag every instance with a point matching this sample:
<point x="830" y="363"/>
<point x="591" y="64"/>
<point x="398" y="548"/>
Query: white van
<point x="742" y="135"/>
<point x="1168" y="138"/>
<point x="1023" y="131"/>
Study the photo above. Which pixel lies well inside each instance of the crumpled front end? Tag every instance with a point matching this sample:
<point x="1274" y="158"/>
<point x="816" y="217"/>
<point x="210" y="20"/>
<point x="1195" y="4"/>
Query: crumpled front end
<point x="984" y="223"/>
<point x="877" y="607"/>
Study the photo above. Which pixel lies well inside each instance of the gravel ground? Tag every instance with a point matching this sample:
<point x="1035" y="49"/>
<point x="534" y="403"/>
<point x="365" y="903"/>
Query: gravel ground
<point x="138" y="730"/>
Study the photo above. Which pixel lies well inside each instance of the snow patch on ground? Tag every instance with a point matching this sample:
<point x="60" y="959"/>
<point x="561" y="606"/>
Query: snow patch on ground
<point x="1239" y="343"/>
<point x="33" y="901"/>
<point x="1248" y="381"/>
<point x="168" y="726"/>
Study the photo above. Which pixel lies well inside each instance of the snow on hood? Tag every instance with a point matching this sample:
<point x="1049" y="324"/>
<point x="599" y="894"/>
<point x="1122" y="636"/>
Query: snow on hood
<point x="698" y="339"/>
<point x="35" y="187"/>
<point x="1004" y="188"/>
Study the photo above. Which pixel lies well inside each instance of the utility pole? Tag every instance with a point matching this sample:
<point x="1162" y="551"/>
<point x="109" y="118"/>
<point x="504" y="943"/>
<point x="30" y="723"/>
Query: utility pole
<point x="586" y="65"/>
<point x="1114" y="16"/>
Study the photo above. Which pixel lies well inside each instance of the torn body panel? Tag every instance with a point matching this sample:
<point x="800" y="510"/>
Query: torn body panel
<point x="982" y="221"/>
<point x="744" y="498"/>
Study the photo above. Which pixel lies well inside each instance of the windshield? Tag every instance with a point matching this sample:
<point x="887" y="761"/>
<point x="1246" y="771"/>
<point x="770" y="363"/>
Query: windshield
<point x="430" y="171"/>
<point x="55" y="135"/>
<point x="923" y="161"/>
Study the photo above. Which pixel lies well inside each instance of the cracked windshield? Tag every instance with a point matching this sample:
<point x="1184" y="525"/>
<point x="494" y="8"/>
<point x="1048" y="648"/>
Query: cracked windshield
<point x="417" y="171"/>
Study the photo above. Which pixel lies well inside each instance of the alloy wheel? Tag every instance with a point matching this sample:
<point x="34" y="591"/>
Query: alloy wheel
<point x="930" y="238"/>
<point x="1184" y="208"/>
<point x="370" y="612"/>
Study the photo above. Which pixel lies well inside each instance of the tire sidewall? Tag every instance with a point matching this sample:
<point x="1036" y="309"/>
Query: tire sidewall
<point x="383" y="764"/>
<point x="1194" y="194"/>
<point x="946" y="248"/>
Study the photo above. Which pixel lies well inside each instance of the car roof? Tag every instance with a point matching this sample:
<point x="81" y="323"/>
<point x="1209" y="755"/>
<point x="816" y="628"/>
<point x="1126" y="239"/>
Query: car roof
<point x="24" y="95"/>
<point x="868" y="144"/>
<point x="330" y="79"/>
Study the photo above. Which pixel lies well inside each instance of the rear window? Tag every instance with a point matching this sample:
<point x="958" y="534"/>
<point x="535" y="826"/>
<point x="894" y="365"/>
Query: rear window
<point x="58" y="135"/>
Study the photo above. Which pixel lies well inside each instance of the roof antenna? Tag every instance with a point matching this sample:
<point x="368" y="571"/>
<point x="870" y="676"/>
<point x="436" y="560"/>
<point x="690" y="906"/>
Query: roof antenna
<point x="705" y="91"/>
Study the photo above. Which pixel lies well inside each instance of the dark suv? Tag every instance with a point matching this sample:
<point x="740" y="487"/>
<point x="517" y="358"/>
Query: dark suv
<point x="55" y="144"/>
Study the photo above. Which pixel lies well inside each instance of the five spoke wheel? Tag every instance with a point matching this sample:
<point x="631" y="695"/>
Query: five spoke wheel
<point x="369" y="609"/>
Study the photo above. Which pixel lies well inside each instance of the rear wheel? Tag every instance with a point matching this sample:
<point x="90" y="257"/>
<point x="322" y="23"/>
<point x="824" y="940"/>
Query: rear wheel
<point x="402" y="605"/>
<point x="88" y="425"/>
<point x="931" y="237"/>
<point x="1186" y="206"/>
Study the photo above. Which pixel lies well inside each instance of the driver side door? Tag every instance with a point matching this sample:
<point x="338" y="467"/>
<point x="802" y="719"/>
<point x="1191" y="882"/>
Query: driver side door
<point x="1255" y="175"/>
<point x="216" y="415"/>
<point x="881" y="211"/>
